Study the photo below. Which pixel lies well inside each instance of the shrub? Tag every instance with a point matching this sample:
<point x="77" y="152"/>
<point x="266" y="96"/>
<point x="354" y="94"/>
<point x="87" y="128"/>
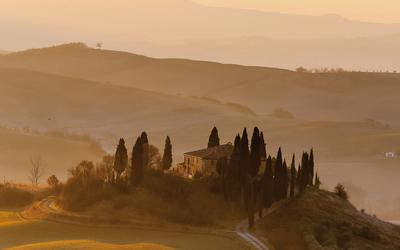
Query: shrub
<point x="368" y="233"/>
<point x="198" y="175"/>
<point x="13" y="197"/>
<point x="169" y="187"/>
<point x="341" y="191"/>
<point x="76" y="196"/>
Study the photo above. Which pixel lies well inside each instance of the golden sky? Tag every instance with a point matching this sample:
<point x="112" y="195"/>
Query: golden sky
<point x="381" y="11"/>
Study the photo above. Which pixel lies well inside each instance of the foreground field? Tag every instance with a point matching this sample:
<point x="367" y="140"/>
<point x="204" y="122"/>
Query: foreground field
<point x="16" y="232"/>
<point x="88" y="244"/>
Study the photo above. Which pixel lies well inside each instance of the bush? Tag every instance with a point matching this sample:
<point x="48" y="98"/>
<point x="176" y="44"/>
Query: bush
<point x="169" y="187"/>
<point x="368" y="233"/>
<point x="76" y="196"/>
<point x="13" y="197"/>
<point x="341" y="191"/>
<point x="198" y="176"/>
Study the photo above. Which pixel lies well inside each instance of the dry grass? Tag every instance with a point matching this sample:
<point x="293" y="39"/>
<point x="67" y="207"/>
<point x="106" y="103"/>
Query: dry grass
<point x="320" y="218"/>
<point x="88" y="244"/>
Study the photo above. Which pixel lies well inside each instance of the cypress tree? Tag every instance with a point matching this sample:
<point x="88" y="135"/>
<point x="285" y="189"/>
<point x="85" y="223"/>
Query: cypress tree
<point x="292" y="177"/>
<point x="305" y="171"/>
<point x="300" y="182"/>
<point x="278" y="180"/>
<point x="137" y="163"/>
<point x="120" y="160"/>
<point x="298" y="172"/>
<point x="213" y="140"/>
<point x="145" y="141"/>
<point x="311" y="167"/>
<point x="167" y="156"/>
<point x="268" y="185"/>
<point x="263" y="150"/>
<point x="144" y="138"/>
<point x="232" y="182"/>
<point x="243" y="165"/>
<point x="285" y="185"/>
<point x="243" y="158"/>
<point x="255" y="154"/>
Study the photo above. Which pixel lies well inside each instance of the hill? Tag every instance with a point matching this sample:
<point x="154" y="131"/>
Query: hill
<point x="340" y="97"/>
<point x="323" y="219"/>
<point x="361" y="53"/>
<point x="58" y="154"/>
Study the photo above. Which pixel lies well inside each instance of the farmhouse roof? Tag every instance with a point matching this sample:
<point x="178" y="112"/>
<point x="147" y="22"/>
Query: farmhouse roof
<point x="213" y="153"/>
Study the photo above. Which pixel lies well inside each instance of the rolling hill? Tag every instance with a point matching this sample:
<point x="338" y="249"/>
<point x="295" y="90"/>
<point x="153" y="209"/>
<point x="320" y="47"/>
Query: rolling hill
<point x="335" y="97"/>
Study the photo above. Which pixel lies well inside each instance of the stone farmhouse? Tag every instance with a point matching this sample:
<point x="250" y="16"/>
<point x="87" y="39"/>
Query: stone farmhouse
<point x="204" y="160"/>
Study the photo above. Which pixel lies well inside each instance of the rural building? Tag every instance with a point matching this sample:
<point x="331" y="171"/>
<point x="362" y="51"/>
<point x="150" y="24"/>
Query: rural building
<point x="204" y="160"/>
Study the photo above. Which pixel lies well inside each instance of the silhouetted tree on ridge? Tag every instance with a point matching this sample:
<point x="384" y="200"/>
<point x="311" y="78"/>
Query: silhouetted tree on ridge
<point x="121" y="160"/>
<point x="137" y="163"/>
<point x="213" y="140"/>
<point x="167" y="156"/>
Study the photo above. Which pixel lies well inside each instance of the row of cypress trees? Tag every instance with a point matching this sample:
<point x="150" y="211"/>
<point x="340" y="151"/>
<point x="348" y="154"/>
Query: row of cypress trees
<point x="138" y="160"/>
<point x="239" y="177"/>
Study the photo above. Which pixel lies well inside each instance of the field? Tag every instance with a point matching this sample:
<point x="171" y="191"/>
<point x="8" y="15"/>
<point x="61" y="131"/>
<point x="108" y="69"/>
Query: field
<point x="17" y="233"/>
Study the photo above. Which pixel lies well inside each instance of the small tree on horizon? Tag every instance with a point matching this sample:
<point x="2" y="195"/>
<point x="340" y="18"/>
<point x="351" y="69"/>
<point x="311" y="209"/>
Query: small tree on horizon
<point x="99" y="45"/>
<point x="167" y="156"/>
<point x="213" y="139"/>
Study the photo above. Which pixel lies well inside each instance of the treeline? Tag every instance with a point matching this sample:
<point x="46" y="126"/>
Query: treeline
<point x="320" y="70"/>
<point x="241" y="177"/>
<point x="115" y="173"/>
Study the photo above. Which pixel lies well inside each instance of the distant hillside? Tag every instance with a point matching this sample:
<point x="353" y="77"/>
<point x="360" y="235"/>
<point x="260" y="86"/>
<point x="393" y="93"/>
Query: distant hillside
<point x="346" y="96"/>
<point x="3" y="52"/>
<point x="322" y="219"/>
<point x="372" y="54"/>
<point x="58" y="154"/>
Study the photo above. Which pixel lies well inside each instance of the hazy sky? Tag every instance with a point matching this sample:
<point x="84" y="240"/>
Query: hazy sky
<point x="381" y="11"/>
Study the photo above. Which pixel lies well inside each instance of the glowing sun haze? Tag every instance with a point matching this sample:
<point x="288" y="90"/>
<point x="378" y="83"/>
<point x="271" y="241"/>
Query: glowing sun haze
<point x="386" y="11"/>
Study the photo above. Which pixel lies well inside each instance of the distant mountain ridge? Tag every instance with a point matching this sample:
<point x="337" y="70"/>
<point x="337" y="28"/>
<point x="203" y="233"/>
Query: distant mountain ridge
<point x="159" y="20"/>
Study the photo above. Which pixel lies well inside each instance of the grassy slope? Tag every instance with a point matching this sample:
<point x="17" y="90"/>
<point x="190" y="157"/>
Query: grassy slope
<point x="88" y="244"/>
<point x="58" y="154"/>
<point x="42" y="234"/>
<point x="289" y="227"/>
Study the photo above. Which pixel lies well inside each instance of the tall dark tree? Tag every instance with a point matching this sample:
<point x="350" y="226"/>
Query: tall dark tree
<point x="292" y="177"/>
<point x="263" y="149"/>
<point x="120" y="160"/>
<point x="222" y="166"/>
<point x="144" y="138"/>
<point x="311" y="167"/>
<point x="243" y="158"/>
<point x="145" y="141"/>
<point x="233" y="186"/>
<point x="167" y="156"/>
<point x="278" y="179"/>
<point x="285" y="186"/>
<point x="268" y="185"/>
<point x="305" y="170"/>
<point x="213" y="140"/>
<point x="255" y="154"/>
<point x="137" y="163"/>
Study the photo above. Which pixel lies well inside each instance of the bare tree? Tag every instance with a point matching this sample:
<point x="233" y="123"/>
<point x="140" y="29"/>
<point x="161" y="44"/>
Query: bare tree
<point x="99" y="45"/>
<point x="37" y="170"/>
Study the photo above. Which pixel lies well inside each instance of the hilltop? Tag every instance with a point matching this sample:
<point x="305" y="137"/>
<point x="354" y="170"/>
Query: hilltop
<point x="323" y="219"/>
